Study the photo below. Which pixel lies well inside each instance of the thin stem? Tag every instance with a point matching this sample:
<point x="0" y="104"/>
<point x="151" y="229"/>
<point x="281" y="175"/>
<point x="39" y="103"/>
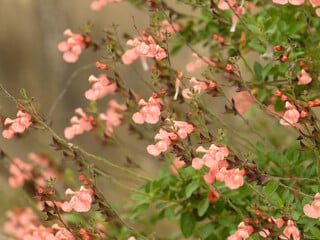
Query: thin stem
<point x="65" y="89"/>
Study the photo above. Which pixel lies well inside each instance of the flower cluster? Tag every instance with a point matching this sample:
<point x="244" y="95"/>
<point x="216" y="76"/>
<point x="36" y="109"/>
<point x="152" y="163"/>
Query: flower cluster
<point x="74" y="45"/>
<point x="17" y="125"/>
<point x="143" y="47"/>
<point x="80" y="201"/>
<point x="79" y="125"/>
<point x="179" y="129"/>
<point x="113" y="116"/>
<point x="197" y="87"/>
<point x="38" y="170"/>
<point x="203" y="61"/>
<point x="243" y="232"/>
<point x="101" y="87"/>
<point x="24" y="224"/>
<point x="314" y="3"/>
<point x="214" y="160"/>
<point x="99" y="4"/>
<point x="149" y="111"/>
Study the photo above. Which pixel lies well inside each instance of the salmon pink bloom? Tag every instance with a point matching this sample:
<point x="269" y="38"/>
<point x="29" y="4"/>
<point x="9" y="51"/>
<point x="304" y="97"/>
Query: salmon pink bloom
<point x="164" y="141"/>
<point x="17" y="125"/>
<point x="143" y="47"/>
<point x="169" y="28"/>
<point x="197" y="163"/>
<point x="242" y="101"/>
<point x="100" y="87"/>
<point x="61" y="233"/>
<point x="290" y="231"/>
<point x="243" y="232"/>
<point x="204" y="61"/>
<point x="313" y="210"/>
<point x="291" y="116"/>
<point x="304" y="78"/>
<point x="233" y="178"/>
<point x="183" y="128"/>
<point x="149" y="111"/>
<point x="20" y="222"/>
<point x="197" y="87"/>
<point x="79" y="125"/>
<point x="19" y="173"/>
<point x="99" y="4"/>
<point x="73" y="47"/>
<point x="293" y="2"/>
<point x="113" y="116"/>
<point x="177" y="163"/>
<point x="80" y="201"/>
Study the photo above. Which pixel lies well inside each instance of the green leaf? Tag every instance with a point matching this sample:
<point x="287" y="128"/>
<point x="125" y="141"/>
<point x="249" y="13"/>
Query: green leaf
<point x="187" y="223"/>
<point x="270" y="188"/>
<point x="258" y="70"/>
<point x="279" y="105"/>
<point x="276" y="200"/>
<point x="203" y="206"/>
<point x="191" y="188"/>
<point x="256" y="45"/>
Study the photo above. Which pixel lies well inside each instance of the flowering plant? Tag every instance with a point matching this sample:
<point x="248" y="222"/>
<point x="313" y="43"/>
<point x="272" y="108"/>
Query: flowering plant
<point x="234" y="130"/>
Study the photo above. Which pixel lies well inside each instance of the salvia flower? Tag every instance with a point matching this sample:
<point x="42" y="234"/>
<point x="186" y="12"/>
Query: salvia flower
<point x="73" y="46"/>
<point x="80" y="201"/>
<point x="143" y="47"/>
<point x="291" y="116"/>
<point x="149" y="111"/>
<point x="113" y="116"/>
<point x="313" y="210"/>
<point x="79" y="125"/>
<point x="99" y="4"/>
<point x="17" y="125"/>
<point x="101" y="87"/>
<point x="243" y="232"/>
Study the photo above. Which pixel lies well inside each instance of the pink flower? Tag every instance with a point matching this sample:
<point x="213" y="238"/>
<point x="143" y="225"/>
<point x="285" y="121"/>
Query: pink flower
<point x="61" y="233"/>
<point x="242" y="101"/>
<point x="164" y="141"/>
<point x="291" y="116"/>
<point x="143" y="47"/>
<point x="225" y="4"/>
<point x="291" y="231"/>
<point x="233" y="178"/>
<point x="100" y="88"/>
<point x="170" y="28"/>
<point x="243" y="232"/>
<point x="149" y="111"/>
<point x="177" y="163"/>
<point x="293" y="2"/>
<point x="113" y="116"/>
<point x="17" y="125"/>
<point x="197" y="86"/>
<point x="204" y="61"/>
<point x="197" y="163"/>
<point x="183" y="128"/>
<point x="73" y="47"/>
<point x="20" y="172"/>
<point x="313" y="210"/>
<point x="79" y="124"/>
<point x="99" y="4"/>
<point x="80" y="202"/>
<point x="20" y="222"/>
<point x="304" y="78"/>
<point x="315" y="3"/>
